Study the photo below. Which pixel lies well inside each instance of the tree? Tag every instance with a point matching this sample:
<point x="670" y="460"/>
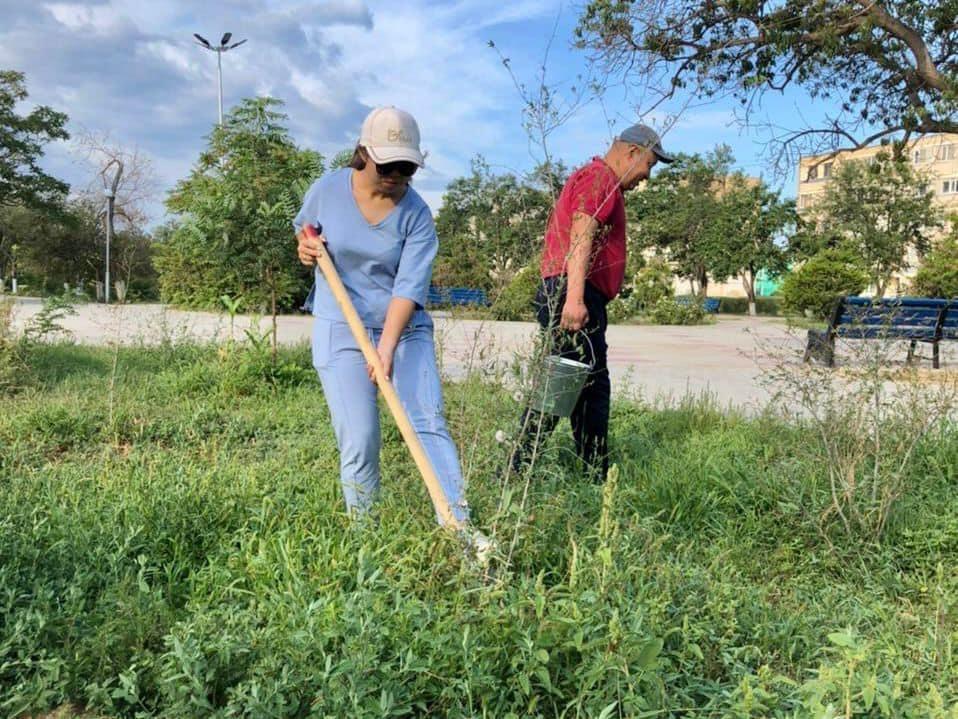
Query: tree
<point x="232" y="234"/>
<point x="490" y="226"/>
<point x="818" y="284"/>
<point x="879" y="211"/>
<point x="22" y="138"/>
<point x="66" y="247"/>
<point x="678" y="212"/>
<point x="125" y="177"/>
<point x="938" y="274"/>
<point x="752" y="220"/>
<point x="890" y="65"/>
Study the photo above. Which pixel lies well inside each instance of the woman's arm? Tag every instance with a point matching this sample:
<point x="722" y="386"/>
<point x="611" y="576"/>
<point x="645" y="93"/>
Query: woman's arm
<point x="411" y="284"/>
<point x="398" y="314"/>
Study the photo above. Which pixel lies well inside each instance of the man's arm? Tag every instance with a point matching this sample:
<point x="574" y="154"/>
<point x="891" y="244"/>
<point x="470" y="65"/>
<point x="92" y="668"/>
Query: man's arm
<point x="581" y="236"/>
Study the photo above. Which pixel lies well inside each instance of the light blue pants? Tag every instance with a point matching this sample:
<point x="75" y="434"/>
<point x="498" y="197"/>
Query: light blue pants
<point x="351" y="398"/>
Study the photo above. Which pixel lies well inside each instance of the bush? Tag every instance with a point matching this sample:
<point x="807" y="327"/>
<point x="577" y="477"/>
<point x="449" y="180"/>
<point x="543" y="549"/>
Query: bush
<point x="938" y="274"/>
<point x="11" y="360"/>
<point x="733" y="305"/>
<point x="819" y="283"/>
<point x="739" y="305"/>
<point x="771" y="306"/>
<point x="650" y="284"/>
<point x="669" y="311"/>
<point x="515" y="300"/>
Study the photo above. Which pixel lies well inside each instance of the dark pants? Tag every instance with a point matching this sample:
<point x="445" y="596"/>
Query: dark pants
<point x="590" y="418"/>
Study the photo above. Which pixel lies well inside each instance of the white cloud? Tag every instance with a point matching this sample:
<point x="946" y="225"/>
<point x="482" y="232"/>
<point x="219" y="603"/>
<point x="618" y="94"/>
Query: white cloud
<point x="81" y="17"/>
<point x="331" y="61"/>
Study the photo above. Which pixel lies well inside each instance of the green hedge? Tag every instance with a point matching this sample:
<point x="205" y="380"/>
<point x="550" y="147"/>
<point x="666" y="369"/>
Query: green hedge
<point x="739" y="305"/>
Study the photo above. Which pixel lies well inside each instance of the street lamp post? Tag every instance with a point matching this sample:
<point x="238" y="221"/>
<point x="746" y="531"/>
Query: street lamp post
<point x="219" y="50"/>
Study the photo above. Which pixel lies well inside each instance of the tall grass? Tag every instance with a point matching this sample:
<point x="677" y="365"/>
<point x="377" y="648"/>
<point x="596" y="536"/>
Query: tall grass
<point x="191" y="558"/>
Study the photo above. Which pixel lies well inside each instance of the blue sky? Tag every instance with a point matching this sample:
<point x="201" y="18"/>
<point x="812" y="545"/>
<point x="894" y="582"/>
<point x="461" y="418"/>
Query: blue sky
<point x="129" y="68"/>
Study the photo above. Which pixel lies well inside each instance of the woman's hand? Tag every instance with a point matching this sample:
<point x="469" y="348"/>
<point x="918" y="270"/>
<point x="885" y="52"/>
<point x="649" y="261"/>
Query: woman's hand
<point x="308" y="248"/>
<point x="386" y="357"/>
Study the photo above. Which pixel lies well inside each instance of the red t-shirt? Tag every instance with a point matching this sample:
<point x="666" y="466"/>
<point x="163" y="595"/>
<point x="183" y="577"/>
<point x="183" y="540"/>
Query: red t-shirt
<point x="593" y="190"/>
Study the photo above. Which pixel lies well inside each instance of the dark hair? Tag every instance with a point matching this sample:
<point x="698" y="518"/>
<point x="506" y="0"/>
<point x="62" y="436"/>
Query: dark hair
<point x="358" y="160"/>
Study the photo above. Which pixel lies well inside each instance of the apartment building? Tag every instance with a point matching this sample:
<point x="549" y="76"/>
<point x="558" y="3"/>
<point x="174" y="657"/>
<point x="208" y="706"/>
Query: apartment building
<point x="934" y="155"/>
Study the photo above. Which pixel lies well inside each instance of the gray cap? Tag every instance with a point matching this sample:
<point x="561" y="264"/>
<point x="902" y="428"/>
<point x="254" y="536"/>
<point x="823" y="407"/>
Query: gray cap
<point x="646" y="137"/>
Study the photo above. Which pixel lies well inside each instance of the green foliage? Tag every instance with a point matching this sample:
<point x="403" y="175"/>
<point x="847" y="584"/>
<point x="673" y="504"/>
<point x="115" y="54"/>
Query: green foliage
<point x="892" y="66"/>
<point x="22" y="138"/>
<point x="739" y="305"/>
<point x="45" y="324"/>
<point x="819" y="283"/>
<point x="938" y="274"/>
<point x="514" y="302"/>
<point x="192" y="559"/>
<point x="11" y="350"/>
<point x="233" y="234"/>
<point x="878" y="211"/>
<point x="678" y="212"/>
<point x="753" y="221"/>
<point x="649" y="285"/>
<point x="66" y="246"/>
<point x="490" y="223"/>
<point x="713" y="224"/>
<point x="670" y="311"/>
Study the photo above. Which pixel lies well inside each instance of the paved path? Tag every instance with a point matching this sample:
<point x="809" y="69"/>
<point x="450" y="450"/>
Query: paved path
<point x="725" y="359"/>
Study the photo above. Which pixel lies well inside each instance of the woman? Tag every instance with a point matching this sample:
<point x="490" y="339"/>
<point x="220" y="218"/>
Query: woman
<point x="380" y="235"/>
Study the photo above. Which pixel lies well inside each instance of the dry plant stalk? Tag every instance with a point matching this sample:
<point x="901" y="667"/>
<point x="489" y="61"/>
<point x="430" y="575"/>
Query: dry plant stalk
<point x="866" y="418"/>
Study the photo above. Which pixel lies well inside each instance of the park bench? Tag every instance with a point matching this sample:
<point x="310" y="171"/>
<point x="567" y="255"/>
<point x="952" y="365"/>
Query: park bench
<point x="436" y="296"/>
<point x="915" y="319"/>
<point x="456" y="296"/>
<point x="709" y="304"/>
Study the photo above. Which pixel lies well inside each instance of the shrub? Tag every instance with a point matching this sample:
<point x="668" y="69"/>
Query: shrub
<point x="669" y="311"/>
<point x="11" y="360"/>
<point x="515" y="300"/>
<point x="739" y="305"/>
<point x="938" y="274"/>
<point x="650" y="284"/>
<point x="819" y="283"/>
<point x="771" y="306"/>
<point x="733" y="305"/>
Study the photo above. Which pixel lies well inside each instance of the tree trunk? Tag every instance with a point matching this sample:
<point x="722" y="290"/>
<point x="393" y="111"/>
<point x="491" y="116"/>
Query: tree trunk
<point x="748" y="280"/>
<point x="880" y="284"/>
<point x="703" y="283"/>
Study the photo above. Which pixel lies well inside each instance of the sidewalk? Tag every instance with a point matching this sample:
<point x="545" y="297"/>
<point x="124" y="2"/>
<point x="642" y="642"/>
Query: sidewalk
<point x="724" y="359"/>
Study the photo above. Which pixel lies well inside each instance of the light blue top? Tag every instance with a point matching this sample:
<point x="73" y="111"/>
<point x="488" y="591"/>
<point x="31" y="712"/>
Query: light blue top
<point x="392" y="258"/>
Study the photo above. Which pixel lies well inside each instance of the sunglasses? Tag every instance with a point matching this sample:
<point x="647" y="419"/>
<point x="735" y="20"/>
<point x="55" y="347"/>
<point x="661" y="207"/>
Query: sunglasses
<point x="403" y="167"/>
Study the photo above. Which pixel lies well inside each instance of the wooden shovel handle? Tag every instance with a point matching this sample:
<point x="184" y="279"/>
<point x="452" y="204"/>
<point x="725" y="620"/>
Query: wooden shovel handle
<point x="326" y="266"/>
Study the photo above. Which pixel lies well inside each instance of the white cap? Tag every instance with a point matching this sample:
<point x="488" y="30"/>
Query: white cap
<point x="390" y="134"/>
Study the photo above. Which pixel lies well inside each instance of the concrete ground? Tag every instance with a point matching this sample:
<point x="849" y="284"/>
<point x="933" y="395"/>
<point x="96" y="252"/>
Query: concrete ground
<point x="727" y="359"/>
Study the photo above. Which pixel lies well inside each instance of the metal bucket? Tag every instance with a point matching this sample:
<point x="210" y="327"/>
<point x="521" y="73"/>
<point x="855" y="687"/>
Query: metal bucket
<point x="560" y="385"/>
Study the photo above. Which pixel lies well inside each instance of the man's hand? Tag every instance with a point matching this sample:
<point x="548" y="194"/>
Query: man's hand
<point x="386" y="357"/>
<point x="575" y="316"/>
<point x="308" y="249"/>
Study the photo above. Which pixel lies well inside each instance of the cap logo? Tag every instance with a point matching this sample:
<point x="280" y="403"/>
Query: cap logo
<point x="398" y="136"/>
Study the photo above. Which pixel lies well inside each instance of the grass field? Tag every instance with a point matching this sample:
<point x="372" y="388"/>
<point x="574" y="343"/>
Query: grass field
<point x="173" y="544"/>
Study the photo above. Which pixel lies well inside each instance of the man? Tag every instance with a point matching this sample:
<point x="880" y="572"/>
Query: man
<point x="583" y="265"/>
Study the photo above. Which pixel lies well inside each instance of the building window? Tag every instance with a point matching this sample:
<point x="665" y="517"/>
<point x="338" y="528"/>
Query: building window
<point x="947" y="152"/>
<point x="949" y="186"/>
<point x="827" y="169"/>
<point x="813" y="173"/>
<point x="920" y="156"/>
